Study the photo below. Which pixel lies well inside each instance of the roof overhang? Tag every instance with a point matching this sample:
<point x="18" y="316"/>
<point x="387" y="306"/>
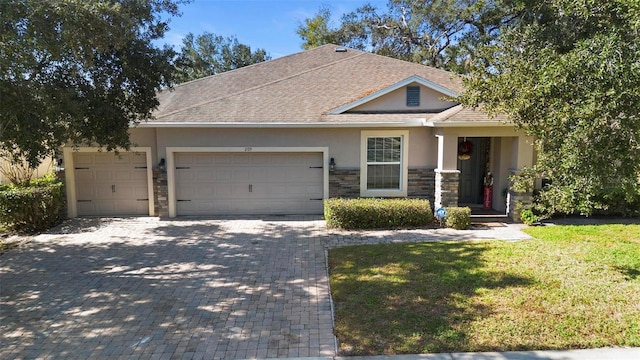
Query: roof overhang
<point x="482" y="124"/>
<point x="410" y="80"/>
<point x="418" y="122"/>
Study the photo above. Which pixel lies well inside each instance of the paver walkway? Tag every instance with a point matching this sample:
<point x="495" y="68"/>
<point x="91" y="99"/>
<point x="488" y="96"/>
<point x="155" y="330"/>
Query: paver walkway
<point x="144" y="288"/>
<point x="141" y="288"/>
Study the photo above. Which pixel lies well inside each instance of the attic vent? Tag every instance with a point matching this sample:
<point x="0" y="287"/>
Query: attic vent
<point x="341" y="49"/>
<point x="413" y="96"/>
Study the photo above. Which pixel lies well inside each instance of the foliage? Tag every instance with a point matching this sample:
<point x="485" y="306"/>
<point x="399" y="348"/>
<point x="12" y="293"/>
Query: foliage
<point x="79" y="71"/>
<point x="567" y="73"/>
<point x="17" y="172"/>
<point x="209" y="54"/>
<point x="576" y="287"/>
<point x="458" y="218"/>
<point x="375" y="213"/>
<point x="529" y="217"/>
<point x="441" y="33"/>
<point x="36" y="207"/>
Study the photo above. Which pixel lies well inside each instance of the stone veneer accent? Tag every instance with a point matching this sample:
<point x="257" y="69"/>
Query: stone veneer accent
<point x="421" y="184"/>
<point x="446" y="188"/>
<point x="344" y="183"/>
<point x="516" y="202"/>
<point x="160" y="193"/>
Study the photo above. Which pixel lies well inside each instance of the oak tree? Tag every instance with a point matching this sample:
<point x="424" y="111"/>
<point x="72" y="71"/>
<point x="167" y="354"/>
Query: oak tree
<point x="79" y="72"/>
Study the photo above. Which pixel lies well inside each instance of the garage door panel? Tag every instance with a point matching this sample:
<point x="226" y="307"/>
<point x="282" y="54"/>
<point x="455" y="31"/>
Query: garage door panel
<point x="255" y="183"/>
<point x="107" y="184"/>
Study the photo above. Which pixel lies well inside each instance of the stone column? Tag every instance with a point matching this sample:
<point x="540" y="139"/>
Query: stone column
<point x="516" y="202"/>
<point x="446" y="192"/>
<point x="447" y="173"/>
<point x="160" y="193"/>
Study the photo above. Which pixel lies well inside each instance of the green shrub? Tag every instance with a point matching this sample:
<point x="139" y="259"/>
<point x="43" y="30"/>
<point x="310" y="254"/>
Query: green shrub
<point x="458" y="218"/>
<point x="528" y="217"/>
<point x="375" y="213"/>
<point x="36" y="207"/>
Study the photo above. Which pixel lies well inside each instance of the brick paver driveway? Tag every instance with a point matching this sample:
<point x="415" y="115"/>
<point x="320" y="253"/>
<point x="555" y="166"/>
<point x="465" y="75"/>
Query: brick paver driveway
<point x="146" y="288"/>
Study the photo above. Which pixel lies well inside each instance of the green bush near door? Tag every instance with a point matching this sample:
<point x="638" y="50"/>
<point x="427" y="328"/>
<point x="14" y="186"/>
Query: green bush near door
<point x="375" y="213"/>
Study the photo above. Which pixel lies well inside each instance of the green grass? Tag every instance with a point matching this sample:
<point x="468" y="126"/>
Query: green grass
<point x="572" y="287"/>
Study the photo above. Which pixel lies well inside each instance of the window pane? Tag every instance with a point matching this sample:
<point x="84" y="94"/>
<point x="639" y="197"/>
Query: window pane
<point x="384" y="149"/>
<point x="383" y="176"/>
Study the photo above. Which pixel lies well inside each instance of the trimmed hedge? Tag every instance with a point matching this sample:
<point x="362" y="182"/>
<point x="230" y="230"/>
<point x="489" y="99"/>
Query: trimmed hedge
<point x="458" y="218"/>
<point x="375" y="213"/>
<point x="34" y="208"/>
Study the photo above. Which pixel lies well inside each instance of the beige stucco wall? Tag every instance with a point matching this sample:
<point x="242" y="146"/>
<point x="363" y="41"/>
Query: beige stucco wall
<point x="45" y="167"/>
<point x="430" y="100"/>
<point x="343" y="143"/>
<point x="144" y="137"/>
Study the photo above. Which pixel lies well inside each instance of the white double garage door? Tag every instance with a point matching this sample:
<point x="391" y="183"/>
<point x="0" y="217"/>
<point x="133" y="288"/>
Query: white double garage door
<point x="203" y="183"/>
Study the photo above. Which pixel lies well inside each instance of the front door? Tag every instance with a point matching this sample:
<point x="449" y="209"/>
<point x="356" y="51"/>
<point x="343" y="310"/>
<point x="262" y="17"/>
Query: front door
<point x="472" y="170"/>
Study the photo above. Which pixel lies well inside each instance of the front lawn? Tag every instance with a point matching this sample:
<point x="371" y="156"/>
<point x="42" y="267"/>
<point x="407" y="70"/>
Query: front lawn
<point x="573" y="287"/>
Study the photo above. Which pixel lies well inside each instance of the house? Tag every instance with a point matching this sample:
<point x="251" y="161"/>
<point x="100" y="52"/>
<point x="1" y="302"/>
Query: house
<point x="280" y="136"/>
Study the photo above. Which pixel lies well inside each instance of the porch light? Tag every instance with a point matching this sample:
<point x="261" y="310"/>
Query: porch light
<point x="162" y="164"/>
<point x="332" y="165"/>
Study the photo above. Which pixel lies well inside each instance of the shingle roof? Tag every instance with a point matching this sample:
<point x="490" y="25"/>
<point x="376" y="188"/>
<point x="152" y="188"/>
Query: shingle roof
<point x="299" y="88"/>
<point x="459" y="115"/>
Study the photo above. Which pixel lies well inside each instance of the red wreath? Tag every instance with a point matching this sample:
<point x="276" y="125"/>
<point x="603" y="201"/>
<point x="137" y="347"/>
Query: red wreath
<point x="465" y="148"/>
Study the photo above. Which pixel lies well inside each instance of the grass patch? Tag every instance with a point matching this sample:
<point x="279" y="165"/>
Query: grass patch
<point x="573" y="287"/>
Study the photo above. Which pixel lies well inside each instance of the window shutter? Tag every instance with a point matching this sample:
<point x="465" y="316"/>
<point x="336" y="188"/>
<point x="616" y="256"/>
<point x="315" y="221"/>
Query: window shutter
<point x="413" y="96"/>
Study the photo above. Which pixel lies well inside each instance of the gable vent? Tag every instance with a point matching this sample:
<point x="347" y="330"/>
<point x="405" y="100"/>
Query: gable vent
<point x="413" y="96"/>
<point x="341" y="49"/>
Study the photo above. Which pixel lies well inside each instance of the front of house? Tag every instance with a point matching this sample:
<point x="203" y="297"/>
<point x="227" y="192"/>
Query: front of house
<point x="281" y="136"/>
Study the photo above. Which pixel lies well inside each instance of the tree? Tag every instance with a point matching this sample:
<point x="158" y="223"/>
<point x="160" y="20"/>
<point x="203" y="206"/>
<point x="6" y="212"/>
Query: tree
<point x="440" y="33"/>
<point x="210" y="54"/>
<point x="568" y="73"/>
<point x="79" y="72"/>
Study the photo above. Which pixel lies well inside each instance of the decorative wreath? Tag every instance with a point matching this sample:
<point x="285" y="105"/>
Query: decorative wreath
<point x="465" y="148"/>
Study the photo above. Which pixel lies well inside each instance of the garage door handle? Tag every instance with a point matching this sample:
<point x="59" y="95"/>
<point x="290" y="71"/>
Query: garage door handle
<point x="84" y="200"/>
<point x="250" y="188"/>
<point x="316" y="167"/>
<point x="142" y="199"/>
<point x="316" y="199"/>
<point x="182" y="167"/>
<point x="113" y="188"/>
<point x="182" y="200"/>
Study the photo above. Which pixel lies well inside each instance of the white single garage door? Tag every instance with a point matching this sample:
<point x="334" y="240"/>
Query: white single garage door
<point x="109" y="184"/>
<point x="241" y="183"/>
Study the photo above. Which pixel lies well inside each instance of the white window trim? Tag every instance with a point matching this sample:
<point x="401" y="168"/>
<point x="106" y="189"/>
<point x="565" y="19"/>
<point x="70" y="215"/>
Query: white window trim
<point x="404" y="165"/>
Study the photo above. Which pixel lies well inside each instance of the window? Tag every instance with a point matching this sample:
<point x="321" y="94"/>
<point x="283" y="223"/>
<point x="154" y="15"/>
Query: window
<point x="383" y="162"/>
<point x="383" y="168"/>
<point x="413" y="96"/>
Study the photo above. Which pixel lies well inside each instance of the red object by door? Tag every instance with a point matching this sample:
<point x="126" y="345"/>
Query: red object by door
<point x="487" y="198"/>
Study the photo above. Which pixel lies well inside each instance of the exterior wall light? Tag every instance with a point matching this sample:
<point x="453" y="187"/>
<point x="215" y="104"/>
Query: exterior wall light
<point x="332" y="165"/>
<point x="162" y="165"/>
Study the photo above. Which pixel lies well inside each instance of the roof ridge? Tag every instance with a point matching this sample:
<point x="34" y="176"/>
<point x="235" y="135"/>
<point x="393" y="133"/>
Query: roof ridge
<point x="267" y="83"/>
<point x="444" y="115"/>
<point x="251" y="65"/>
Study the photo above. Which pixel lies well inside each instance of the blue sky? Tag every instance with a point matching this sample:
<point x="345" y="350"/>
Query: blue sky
<point x="267" y="24"/>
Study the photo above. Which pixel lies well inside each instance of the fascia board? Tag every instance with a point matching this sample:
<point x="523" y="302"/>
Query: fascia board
<point x="408" y="123"/>
<point x="467" y="124"/>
